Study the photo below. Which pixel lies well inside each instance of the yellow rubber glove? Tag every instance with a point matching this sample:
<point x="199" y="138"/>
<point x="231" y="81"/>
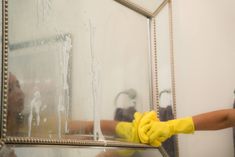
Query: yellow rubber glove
<point x="145" y="124"/>
<point x="154" y="132"/>
<point x="161" y="131"/>
<point x="129" y="130"/>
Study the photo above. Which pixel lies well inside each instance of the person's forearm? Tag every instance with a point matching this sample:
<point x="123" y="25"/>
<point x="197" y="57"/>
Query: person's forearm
<point x="77" y="126"/>
<point x="215" y="120"/>
<point x="107" y="126"/>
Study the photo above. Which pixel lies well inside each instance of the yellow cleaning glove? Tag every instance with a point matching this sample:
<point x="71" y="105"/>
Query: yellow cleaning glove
<point x="182" y="125"/>
<point x="145" y="124"/>
<point x="128" y="130"/>
<point x="161" y="131"/>
<point x="154" y="132"/>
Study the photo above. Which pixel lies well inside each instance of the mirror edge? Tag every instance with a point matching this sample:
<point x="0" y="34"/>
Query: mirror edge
<point x="164" y="3"/>
<point x="4" y="69"/>
<point x="71" y="142"/>
<point x="171" y="44"/>
<point x="172" y="60"/>
<point x="1" y="67"/>
<point x="136" y="8"/>
<point x="141" y="10"/>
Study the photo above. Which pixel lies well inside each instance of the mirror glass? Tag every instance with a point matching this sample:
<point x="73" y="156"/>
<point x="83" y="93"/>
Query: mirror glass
<point x="164" y="73"/>
<point x="74" y="63"/>
<point x="76" y="152"/>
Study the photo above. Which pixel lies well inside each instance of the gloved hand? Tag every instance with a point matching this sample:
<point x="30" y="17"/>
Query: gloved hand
<point x="129" y="130"/>
<point x="155" y="132"/>
<point x="144" y="125"/>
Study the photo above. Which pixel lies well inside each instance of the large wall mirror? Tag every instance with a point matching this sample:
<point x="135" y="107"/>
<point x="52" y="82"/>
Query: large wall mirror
<point x="72" y="67"/>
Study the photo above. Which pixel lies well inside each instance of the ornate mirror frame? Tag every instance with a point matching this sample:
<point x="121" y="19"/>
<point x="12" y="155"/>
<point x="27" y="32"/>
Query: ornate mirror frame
<point x="142" y="10"/>
<point x="154" y="93"/>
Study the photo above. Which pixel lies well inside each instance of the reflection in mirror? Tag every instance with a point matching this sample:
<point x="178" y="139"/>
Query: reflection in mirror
<point x="166" y="110"/>
<point x="38" y="92"/>
<point x="109" y="58"/>
<point x="125" y="113"/>
<point x="77" y="152"/>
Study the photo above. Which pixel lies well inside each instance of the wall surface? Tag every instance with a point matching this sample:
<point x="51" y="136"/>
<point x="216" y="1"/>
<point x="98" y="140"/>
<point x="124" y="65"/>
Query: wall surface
<point x="204" y="65"/>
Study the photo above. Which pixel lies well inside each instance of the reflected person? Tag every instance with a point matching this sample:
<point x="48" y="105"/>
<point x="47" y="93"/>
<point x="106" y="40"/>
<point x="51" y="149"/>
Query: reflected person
<point x="15" y="105"/>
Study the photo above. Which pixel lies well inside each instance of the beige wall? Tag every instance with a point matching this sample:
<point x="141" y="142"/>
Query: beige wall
<point x="204" y="66"/>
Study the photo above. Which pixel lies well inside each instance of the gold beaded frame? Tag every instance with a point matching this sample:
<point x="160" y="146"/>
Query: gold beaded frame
<point x="70" y="142"/>
<point x="4" y="85"/>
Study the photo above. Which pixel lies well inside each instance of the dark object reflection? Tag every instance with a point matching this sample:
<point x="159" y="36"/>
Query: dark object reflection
<point x="165" y="113"/>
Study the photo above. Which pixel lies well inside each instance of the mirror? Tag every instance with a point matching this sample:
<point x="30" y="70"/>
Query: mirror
<point x="56" y="151"/>
<point x="73" y="65"/>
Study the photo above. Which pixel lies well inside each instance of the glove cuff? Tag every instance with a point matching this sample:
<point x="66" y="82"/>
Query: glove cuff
<point x="182" y="125"/>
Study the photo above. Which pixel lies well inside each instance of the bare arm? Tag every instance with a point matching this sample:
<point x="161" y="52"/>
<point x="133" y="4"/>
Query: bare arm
<point x="107" y="126"/>
<point x="215" y="120"/>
